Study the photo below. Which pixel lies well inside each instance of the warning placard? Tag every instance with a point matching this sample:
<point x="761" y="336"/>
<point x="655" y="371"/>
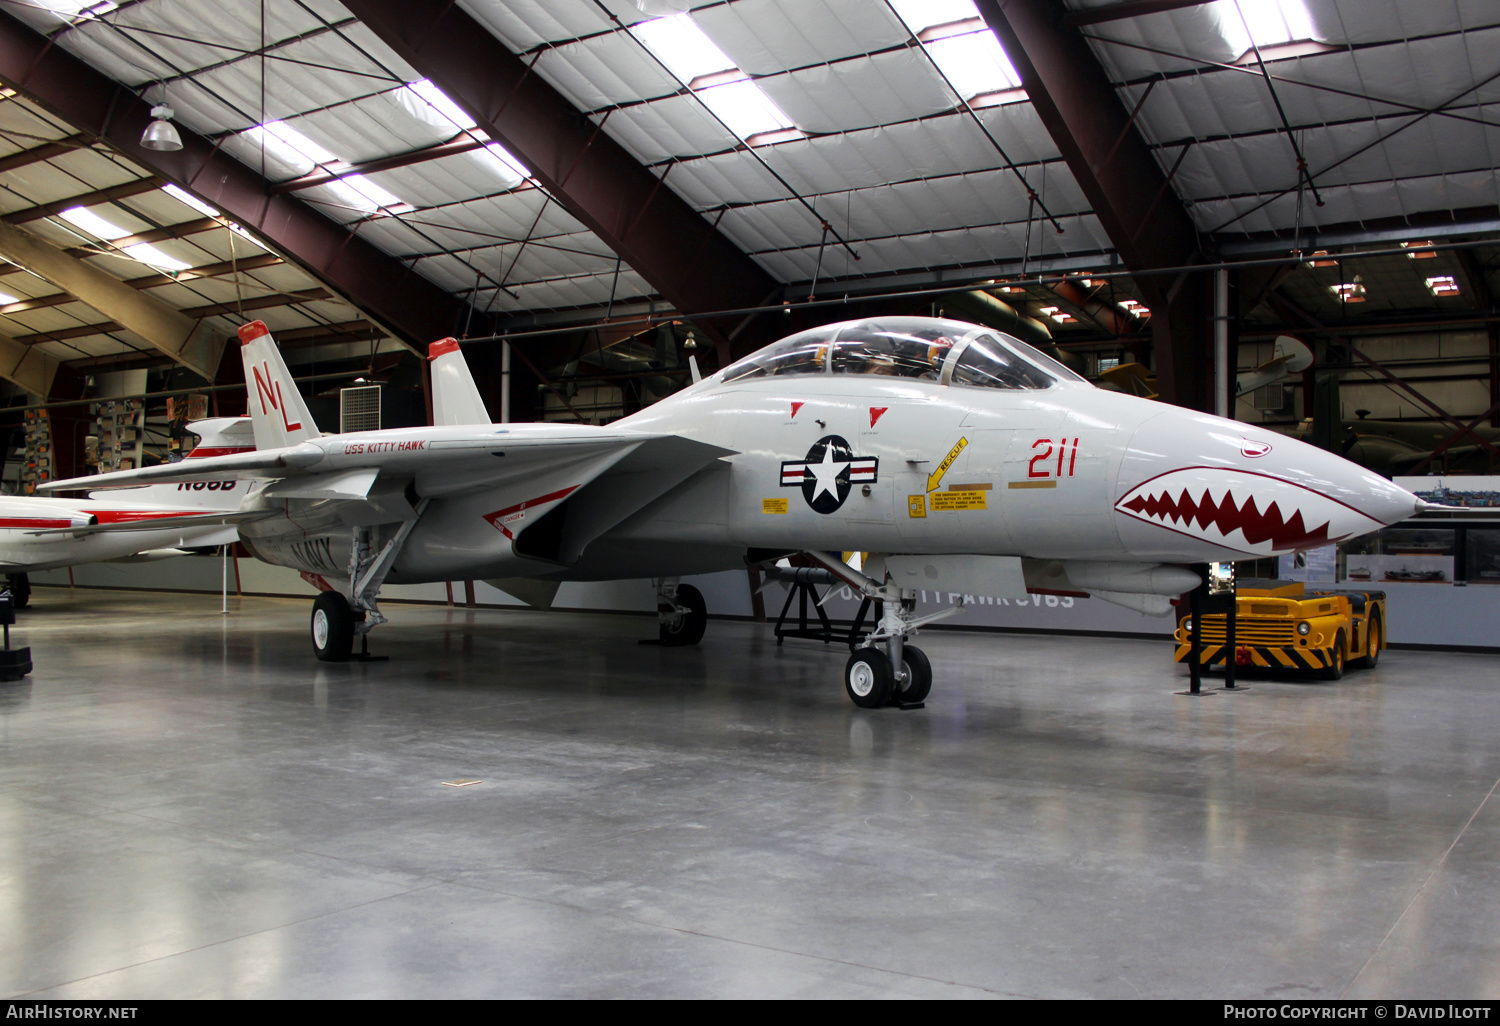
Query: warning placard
<point x="916" y="506"/>
<point x="943" y="501"/>
<point x="773" y="505"/>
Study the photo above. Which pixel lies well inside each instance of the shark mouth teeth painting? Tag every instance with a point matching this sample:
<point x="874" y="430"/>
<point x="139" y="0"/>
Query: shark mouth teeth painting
<point x="1249" y="513"/>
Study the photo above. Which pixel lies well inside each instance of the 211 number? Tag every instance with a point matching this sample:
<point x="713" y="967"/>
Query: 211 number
<point x="1067" y="457"/>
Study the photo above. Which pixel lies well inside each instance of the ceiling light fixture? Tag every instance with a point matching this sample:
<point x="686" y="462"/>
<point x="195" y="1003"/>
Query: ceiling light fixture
<point x="1418" y="250"/>
<point x="1349" y="291"/>
<point x="161" y="134"/>
<point x="1443" y="285"/>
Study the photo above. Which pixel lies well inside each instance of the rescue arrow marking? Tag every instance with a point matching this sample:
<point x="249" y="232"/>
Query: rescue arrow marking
<point x="937" y="475"/>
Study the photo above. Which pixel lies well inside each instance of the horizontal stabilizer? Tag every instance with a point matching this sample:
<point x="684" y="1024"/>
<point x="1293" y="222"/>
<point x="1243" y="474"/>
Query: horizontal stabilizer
<point x="157" y="522"/>
<point x="266" y="463"/>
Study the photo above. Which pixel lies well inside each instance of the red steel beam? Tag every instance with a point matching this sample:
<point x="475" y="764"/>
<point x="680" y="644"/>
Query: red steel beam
<point x="682" y="255"/>
<point x="46" y="151"/>
<point x="87" y="199"/>
<point x="1127" y="9"/>
<point x="416" y="309"/>
<point x="1124" y="184"/>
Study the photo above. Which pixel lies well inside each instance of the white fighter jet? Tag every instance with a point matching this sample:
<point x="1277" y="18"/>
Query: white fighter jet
<point x="962" y="459"/>
<point x="148" y="522"/>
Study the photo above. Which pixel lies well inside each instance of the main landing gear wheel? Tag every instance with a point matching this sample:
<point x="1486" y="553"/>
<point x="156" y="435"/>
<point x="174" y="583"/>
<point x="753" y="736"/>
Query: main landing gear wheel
<point x="332" y="628"/>
<point x="686" y="623"/>
<point x="918" y="677"/>
<point x="868" y="678"/>
<point x="20" y="590"/>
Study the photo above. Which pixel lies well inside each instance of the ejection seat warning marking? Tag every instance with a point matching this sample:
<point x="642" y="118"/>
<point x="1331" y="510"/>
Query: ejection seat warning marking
<point x="934" y="478"/>
<point x="1031" y="484"/>
<point x="944" y="501"/>
<point x="916" y="506"/>
<point x="774" y="506"/>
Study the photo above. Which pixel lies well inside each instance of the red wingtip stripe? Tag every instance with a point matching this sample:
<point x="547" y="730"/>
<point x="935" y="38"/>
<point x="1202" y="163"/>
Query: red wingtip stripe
<point x="252" y="331"/>
<point x="442" y="347"/>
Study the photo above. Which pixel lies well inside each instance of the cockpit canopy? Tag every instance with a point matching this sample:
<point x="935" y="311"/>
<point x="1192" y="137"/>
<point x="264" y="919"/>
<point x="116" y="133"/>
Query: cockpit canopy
<point x="923" y="348"/>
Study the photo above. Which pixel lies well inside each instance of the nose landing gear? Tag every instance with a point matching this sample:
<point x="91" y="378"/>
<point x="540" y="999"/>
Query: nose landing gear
<point x="885" y="670"/>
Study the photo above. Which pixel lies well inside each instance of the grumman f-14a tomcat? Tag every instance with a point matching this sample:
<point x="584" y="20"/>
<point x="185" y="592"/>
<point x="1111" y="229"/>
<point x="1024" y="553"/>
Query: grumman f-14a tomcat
<point x="960" y="458"/>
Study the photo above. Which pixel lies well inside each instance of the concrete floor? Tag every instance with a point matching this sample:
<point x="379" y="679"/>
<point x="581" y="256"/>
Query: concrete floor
<point x="190" y="806"/>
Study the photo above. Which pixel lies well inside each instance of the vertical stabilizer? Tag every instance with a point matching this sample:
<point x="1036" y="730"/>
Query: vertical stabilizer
<point x="455" y="397"/>
<point x="277" y="412"/>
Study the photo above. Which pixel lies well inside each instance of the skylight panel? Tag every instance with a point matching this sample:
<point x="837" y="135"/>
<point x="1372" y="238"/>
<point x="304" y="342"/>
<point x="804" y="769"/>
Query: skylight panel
<point x="93" y="224"/>
<point x="149" y="254"/>
<point x="683" y="47"/>
<point x="974" y="63"/>
<point x="1270" y="23"/>
<point x="920" y="15"/>
<point x="960" y="44"/>
<point x="290" y="146"/>
<point x="707" y="71"/>
<point x="70" y="10"/>
<point x="6" y="299"/>
<point x="436" y="102"/>
<point x="503" y="163"/>
<point x="1443" y="285"/>
<point x="360" y="193"/>
<point x="183" y="196"/>
<point x="745" y="109"/>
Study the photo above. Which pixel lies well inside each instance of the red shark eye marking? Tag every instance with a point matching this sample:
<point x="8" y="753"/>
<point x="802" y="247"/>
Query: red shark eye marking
<point x="876" y="412"/>
<point x="795" y="408"/>
<point x="1254" y="449"/>
<point x="1259" y="526"/>
<point x="271" y="392"/>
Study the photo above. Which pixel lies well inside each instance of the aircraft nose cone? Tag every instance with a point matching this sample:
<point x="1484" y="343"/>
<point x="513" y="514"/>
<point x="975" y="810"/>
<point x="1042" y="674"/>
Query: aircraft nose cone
<point x="1238" y="488"/>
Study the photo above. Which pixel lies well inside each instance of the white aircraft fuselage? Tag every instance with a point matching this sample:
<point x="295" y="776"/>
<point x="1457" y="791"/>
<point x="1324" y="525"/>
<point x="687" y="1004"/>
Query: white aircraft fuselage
<point x="852" y="461"/>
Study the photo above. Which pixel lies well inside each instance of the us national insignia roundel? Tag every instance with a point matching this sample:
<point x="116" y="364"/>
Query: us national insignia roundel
<point x="830" y="470"/>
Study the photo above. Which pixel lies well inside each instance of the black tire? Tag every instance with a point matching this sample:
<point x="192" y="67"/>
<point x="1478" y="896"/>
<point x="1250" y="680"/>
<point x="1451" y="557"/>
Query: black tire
<point x="1335" y="670"/>
<point x="332" y="628"/>
<point x="919" y="676"/>
<point x="688" y="628"/>
<point x="868" y="680"/>
<point x="20" y="591"/>
<point x="1374" y="638"/>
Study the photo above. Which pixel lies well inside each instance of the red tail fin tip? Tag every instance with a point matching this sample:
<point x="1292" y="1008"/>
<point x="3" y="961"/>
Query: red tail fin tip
<point x="252" y="331"/>
<point x="442" y="347"/>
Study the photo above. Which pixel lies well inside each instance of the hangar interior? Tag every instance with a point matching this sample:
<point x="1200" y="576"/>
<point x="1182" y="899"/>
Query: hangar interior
<point x="1284" y="211"/>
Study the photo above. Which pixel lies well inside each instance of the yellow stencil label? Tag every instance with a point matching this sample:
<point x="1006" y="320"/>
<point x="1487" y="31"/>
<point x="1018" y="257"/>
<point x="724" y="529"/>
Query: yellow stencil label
<point x="937" y="475"/>
<point x="773" y="506"/>
<point x="942" y="501"/>
<point x="916" y="506"/>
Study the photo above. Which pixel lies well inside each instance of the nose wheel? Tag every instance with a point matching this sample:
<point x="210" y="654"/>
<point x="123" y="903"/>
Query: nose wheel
<point x="870" y="682"/>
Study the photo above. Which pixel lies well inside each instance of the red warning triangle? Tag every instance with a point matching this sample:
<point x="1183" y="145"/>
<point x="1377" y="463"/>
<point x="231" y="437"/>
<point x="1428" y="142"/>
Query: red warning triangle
<point x="876" y="412"/>
<point x="795" y="408"/>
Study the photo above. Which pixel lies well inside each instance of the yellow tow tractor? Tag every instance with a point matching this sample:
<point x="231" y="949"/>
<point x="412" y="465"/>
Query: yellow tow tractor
<point x="1279" y="625"/>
